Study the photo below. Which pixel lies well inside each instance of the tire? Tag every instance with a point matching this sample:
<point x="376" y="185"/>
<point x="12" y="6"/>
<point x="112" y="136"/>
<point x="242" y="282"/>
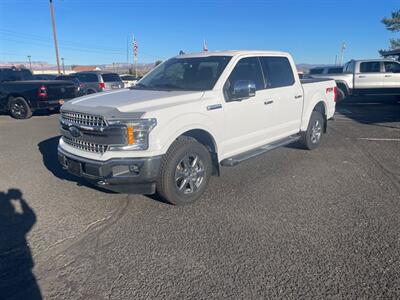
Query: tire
<point x="340" y="95"/>
<point x="91" y="92"/>
<point x="19" y="108"/>
<point x="185" y="172"/>
<point x="311" y="138"/>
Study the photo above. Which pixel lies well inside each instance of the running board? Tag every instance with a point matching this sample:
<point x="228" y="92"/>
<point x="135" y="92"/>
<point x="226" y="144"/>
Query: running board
<point x="237" y="159"/>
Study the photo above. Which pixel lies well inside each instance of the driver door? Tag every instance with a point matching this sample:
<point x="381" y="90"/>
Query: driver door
<point x="244" y="117"/>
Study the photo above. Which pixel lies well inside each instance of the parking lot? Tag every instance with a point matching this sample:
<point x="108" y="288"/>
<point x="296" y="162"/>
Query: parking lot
<point x="289" y="224"/>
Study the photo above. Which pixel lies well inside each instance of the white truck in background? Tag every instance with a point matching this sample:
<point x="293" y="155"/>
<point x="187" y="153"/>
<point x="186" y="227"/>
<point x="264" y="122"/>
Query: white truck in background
<point x="366" y="77"/>
<point x="188" y="117"/>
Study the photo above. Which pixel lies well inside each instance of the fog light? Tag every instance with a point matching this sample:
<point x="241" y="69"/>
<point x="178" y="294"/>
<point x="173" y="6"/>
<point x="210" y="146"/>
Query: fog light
<point x="134" y="168"/>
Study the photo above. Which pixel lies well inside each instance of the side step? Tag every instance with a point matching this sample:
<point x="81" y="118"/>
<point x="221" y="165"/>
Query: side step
<point x="237" y="159"/>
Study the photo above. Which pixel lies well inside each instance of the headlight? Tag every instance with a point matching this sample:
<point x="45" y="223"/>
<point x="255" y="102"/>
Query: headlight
<point x="137" y="133"/>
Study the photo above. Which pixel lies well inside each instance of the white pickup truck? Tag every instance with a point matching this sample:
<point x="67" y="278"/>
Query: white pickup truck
<point x="366" y="77"/>
<point x="188" y="117"/>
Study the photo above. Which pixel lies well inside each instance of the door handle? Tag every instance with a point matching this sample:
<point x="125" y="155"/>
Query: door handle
<point x="267" y="102"/>
<point x="388" y="75"/>
<point x="298" y="96"/>
<point x="361" y="76"/>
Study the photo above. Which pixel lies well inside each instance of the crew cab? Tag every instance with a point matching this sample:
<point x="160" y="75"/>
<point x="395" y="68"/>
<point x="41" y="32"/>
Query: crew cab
<point x="367" y="77"/>
<point x="20" y="95"/>
<point x="190" y="116"/>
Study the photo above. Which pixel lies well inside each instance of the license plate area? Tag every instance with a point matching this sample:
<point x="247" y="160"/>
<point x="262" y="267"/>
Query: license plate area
<point x="74" y="166"/>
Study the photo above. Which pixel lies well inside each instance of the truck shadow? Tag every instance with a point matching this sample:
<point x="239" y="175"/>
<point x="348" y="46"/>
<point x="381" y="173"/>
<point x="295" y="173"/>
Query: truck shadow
<point x="371" y="110"/>
<point x="16" y="220"/>
<point x="48" y="149"/>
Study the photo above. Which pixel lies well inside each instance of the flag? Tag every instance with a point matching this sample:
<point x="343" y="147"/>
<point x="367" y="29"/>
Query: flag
<point x="205" y="46"/>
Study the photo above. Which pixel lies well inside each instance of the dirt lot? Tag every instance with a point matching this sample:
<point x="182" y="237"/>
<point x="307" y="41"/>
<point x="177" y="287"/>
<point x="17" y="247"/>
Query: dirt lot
<point x="289" y="224"/>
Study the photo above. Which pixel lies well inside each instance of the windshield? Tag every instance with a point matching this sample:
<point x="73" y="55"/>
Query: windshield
<point x="193" y="74"/>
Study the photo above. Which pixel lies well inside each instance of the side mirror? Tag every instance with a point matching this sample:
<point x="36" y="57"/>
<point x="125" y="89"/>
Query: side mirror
<point x="243" y="89"/>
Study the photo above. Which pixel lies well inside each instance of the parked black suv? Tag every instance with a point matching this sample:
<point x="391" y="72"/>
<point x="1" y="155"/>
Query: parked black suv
<point x="21" y="95"/>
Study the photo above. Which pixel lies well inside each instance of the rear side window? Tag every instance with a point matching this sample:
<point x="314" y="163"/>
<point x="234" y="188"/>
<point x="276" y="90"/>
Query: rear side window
<point x="87" y="77"/>
<point x="392" y="67"/>
<point x="335" y="70"/>
<point x="316" y="71"/>
<point x="246" y="69"/>
<point x="111" y="77"/>
<point x="370" y="67"/>
<point x="277" y="71"/>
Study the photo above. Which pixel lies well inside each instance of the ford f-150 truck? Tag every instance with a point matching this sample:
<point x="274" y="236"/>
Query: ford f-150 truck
<point x="367" y="77"/>
<point x="21" y="95"/>
<point x="188" y="117"/>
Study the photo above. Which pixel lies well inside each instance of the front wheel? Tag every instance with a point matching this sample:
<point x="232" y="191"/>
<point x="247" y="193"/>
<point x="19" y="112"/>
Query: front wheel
<point x="311" y="138"/>
<point x="185" y="172"/>
<point x="19" y="108"/>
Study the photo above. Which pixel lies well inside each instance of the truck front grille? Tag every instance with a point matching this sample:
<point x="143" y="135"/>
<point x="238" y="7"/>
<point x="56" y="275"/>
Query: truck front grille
<point x="85" y="146"/>
<point x="82" y="119"/>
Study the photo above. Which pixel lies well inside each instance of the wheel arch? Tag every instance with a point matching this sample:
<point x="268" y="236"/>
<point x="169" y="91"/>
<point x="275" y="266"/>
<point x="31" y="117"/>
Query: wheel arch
<point x="207" y="139"/>
<point x="341" y="84"/>
<point x="16" y="95"/>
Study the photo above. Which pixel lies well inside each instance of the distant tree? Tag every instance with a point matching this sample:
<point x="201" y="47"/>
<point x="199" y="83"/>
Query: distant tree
<point x="392" y="24"/>
<point x="157" y="63"/>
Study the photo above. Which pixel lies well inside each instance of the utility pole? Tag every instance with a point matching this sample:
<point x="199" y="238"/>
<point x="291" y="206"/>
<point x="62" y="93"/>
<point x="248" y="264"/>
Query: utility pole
<point x="30" y="63"/>
<point x="135" y="50"/>
<point x="342" y="52"/>
<point x="54" y="35"/>
<point x="63" y="66"/>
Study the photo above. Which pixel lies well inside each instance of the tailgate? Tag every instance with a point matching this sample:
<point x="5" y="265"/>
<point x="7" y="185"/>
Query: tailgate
<point x="60" y="90"/>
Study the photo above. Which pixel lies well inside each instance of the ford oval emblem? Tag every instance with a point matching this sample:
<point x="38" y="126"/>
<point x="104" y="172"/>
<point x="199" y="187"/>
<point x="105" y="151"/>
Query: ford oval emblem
<point x="75" y="132"/>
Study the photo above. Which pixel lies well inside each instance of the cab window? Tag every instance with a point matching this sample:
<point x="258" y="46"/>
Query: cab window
<point x="248" y="68"/>
<point x="391" y="67"/>
<point x="277" y="72"/>
<point x="370" y="67"/>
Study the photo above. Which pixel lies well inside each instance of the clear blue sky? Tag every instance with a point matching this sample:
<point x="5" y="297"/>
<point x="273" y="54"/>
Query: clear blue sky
<point x="95" y="32"/>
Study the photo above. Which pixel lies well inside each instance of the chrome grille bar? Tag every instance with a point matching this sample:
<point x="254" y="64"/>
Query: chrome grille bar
<point x="82" y="119"/>
<point x="85" y="146"/>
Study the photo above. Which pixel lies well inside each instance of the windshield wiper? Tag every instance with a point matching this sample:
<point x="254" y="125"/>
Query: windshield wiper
<point x="168" y="86"/>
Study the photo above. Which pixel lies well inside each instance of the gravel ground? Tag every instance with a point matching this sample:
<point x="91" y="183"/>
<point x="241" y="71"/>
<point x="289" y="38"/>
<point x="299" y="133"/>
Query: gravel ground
<point x="289" y="224"/>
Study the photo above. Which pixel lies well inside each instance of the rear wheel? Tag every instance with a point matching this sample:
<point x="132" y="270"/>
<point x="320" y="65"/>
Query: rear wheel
<point x="311" y="138"/>
<point x="185" y="172"/>
<point x="19" y="108"/>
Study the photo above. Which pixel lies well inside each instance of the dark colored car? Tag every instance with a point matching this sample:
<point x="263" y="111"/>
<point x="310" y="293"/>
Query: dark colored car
<point x="99" y="81"/>
<point x="44" y="76"/>
<point x="80" y="87"/>
<point x="21" y="95"/>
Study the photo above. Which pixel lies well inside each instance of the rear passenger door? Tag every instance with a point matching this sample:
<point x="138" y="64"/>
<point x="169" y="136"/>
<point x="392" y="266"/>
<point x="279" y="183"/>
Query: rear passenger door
<point x="369" y="75"/>
<point x="283" y="97"/>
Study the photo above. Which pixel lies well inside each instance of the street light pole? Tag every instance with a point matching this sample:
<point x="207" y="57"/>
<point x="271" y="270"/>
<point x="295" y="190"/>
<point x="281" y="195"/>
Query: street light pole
<point x="54" y="35"/>
<point x="63" y="66"/>
<point x="30" y="63"/>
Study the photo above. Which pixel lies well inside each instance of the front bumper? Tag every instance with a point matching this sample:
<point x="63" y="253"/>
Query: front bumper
<point x="122" y="175"/>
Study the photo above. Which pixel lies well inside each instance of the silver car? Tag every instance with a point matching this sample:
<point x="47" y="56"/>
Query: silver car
<point x="99" y="81"/>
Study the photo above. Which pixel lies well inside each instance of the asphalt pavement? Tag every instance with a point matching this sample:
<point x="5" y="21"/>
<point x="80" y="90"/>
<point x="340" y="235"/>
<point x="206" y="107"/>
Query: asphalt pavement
<point x="289" y="224"/>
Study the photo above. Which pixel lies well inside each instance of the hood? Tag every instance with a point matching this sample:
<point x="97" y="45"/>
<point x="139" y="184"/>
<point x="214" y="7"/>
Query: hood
<point x="126" y="100"/>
